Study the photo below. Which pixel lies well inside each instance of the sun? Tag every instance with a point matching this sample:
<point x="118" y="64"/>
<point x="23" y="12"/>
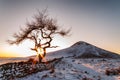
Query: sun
<point x="40" y="51"/>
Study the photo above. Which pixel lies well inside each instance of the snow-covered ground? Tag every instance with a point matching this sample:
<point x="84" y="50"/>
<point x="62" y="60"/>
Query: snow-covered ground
<point x="78" y="69"/>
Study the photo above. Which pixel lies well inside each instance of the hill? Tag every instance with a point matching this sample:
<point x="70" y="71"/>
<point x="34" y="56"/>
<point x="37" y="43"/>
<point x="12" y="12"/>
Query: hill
<point x="83" y="49"/>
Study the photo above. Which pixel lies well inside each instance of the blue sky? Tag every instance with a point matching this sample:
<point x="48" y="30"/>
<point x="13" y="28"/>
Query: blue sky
<point x="93" y="21"/>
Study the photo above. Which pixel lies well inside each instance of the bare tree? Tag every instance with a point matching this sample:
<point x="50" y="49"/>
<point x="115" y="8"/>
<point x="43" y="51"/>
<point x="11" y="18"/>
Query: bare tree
<point x="41" y="31"/>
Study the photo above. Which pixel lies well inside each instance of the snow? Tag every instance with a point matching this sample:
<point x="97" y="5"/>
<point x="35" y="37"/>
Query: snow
<point x="76" y="69"/>
<point x="83" y="50"/>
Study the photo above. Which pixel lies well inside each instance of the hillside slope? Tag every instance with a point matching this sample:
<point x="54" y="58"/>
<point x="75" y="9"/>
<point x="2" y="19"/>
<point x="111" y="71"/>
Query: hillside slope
<point x="83" y="49"/>
<point x="71" y="68"/>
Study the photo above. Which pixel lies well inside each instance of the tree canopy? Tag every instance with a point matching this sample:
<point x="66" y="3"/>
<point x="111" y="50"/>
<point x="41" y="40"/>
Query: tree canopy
<point x="41" y="31"/>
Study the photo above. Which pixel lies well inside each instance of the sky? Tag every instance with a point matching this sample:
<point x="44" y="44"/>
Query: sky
<point x="92" y="21"/>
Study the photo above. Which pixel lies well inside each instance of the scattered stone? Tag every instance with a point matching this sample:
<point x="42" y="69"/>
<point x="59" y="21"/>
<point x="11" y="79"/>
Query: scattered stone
<point x="10" y="71"/>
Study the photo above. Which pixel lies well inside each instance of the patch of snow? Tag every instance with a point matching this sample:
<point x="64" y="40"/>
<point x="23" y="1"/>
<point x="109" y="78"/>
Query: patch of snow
<point x="76" y="69"/>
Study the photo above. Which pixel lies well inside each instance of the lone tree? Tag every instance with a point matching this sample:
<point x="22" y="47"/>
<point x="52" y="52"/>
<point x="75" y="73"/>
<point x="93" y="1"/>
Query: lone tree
<point x="41" y="31"/>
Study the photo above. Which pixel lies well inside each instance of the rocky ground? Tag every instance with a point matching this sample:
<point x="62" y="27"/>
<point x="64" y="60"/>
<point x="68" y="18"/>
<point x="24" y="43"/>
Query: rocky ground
<point x="21" y="69"/>
<point x="80" y="69"/>
<point x="69" y="68"/>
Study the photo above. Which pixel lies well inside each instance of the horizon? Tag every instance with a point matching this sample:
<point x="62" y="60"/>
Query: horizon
<point x="95" y="22"/>
<point x="54" y="51"/>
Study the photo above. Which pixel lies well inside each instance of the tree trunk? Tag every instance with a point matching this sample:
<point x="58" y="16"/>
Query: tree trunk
<point x="40" y="58"/>
<point x="44" y="52"/>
